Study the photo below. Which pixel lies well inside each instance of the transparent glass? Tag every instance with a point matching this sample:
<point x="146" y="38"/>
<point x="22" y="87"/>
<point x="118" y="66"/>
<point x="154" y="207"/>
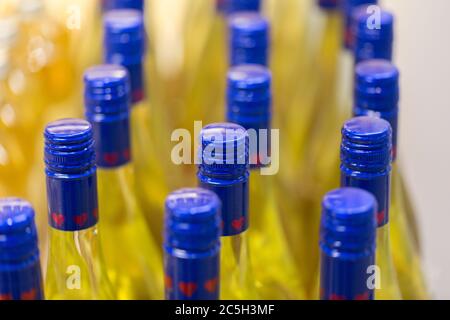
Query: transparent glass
<point x="275" y="271"/>
<point x="75" y="267"/>
<point x="149" y="153"/>
<point x="389" y="287"/>
<point x="236" y="272"/>
<point x="133" y="259"/>
<point x="405" y="253"/>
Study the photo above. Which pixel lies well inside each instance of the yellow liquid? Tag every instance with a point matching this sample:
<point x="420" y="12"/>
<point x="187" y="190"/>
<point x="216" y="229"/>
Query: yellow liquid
<point x="236" y="272"/>
<point x="148" y="156"/>
<point x="133" y="259"/>
<point x="389" y="287"/>
<point x="310" y="148"/>
<point x="275" y="271"/>
<point x="75" y="267"/>
<point x="405" y="254"/>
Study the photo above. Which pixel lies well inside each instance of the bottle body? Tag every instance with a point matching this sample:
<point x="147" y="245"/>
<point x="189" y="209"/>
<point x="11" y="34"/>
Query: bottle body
<point x="75" y="263"/>
<point x="192" y="245"/>
<point x="379" y="184"/>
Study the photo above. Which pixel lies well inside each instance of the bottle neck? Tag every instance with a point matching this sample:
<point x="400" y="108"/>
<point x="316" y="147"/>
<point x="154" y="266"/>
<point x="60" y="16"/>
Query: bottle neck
<point x="112" y="140"/>
<point x="137" y="82"/>
<point x="378" y="184"/>
<point x="191" y="275"/>
<point x="346" y="278"/>
<point x="235" y="269"/>
<point x="234" y="197"/>
<point x="116" y="194"/>
<point x="72" y="200"/>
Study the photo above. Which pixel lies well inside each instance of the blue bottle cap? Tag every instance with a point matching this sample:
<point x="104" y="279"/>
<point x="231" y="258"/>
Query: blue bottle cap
<point x="69" y="146"/>
<point x="107" y="102"/>
<point x="366" y="145"/>
<point x="372" y="41"/>
<point x="224" y="150"/>
<point x="347" y="241"/>
<point x="348" y="7"/>
<point x="18" y="236"/>
<point x="124" y="42"/>
<point x="249" y="104"/>
<point x="106" y="90"/>
<point x="348" y="224"/>
<point x="71" y="175"/>
<point x="192" y="220"/>
<point x="249" y="39"/>
<point x="377" y="93"/>
<point x="224" y="158"/>
<point x="376" y="85"/>
<point x="192" y="245"/>
<point x="20" y="268"/>
<point x="328" y="4"/>
<point x="108" y="5"/>
<point x="124" y="36"/>
<point x="232" y="6"/>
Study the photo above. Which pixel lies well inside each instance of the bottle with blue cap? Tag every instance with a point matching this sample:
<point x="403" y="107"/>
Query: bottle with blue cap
<point x="228" y="38"/>
<point x="377" y="94"/>
<point x="192" y="228"/>
<point x="249" y="104"/>
<point x="132" y="256"/>
<point x="249" y="37"/>
<point x="347" y="243"/>
<point x="20" y="267"/>
<point x="223" y="169"/>
<point x="75" y="266"/>
<point x="366" y="157"/>
<point x="124" y="44"/>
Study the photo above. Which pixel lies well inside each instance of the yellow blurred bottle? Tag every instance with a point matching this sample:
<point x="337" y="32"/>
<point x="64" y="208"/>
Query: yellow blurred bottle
<point x="377" y="94"/>
<point x="249" y="105"/>
<point x="366" y="164"/>
<point x="223" y="169"/>
<point x="150" y="136"/>
<point x="133" y="259"/>
<point x="304" y="174"/>
<point x="75" y="264"/>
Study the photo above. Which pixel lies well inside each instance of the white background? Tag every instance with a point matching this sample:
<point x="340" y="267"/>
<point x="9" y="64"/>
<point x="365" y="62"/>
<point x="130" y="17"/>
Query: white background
<point x="423" y="56"/>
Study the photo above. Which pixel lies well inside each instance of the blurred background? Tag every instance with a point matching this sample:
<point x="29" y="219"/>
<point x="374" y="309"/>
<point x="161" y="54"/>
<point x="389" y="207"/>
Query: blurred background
<point x="422" y="51"/>
<point x="423" y="58"/>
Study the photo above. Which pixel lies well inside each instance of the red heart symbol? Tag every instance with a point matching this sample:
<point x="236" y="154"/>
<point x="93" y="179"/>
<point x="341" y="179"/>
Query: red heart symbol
<point x="187" y="288"/>
<point x="126" y="154"/>
<point x="137" y="95"/>
<point x="81" y="219"/>
<point x="58" y="219"/>
<point x="28" y="295"/>
<point x="211" y="285"/>
<point x="6" y="296"/>
<point x="95" y="213"/>
<point x="168" y="282"/>
<point x="238" y="223"/>
<point x="334" y="296"/>
<point x="111" y="158"/>
<point x="380" y="217"/>
<point x="362" y="296"/>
